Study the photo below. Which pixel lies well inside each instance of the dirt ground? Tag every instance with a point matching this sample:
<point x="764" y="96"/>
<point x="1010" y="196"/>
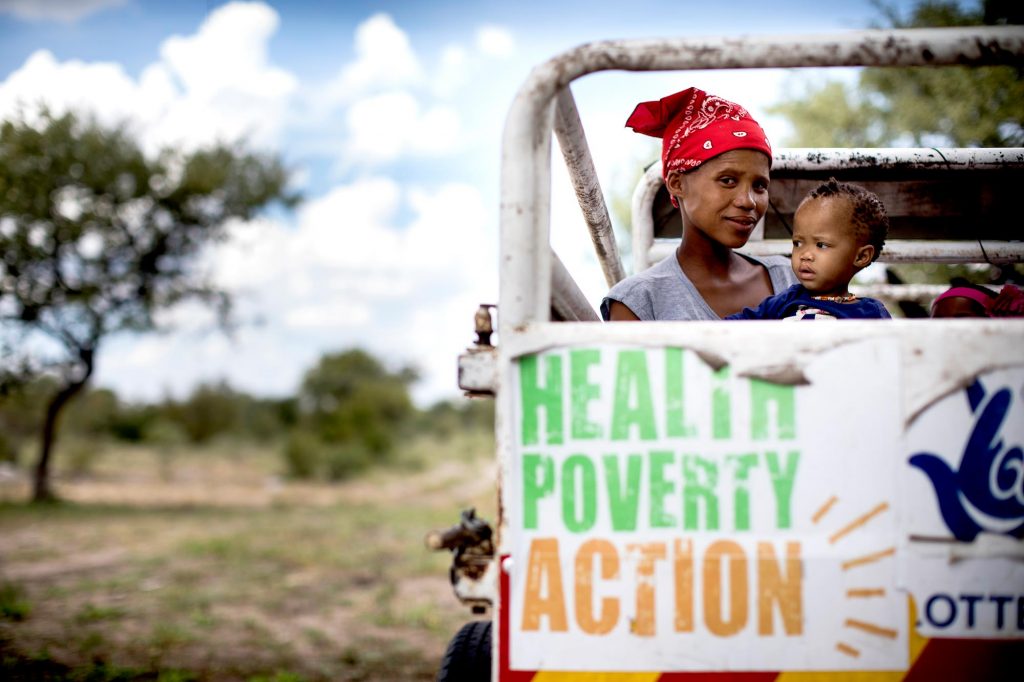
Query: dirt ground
<point x="209" y="566"/>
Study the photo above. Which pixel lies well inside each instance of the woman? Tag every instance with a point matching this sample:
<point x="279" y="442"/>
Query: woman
<point x="715" y="161"/>
<point x="965" y="299"/>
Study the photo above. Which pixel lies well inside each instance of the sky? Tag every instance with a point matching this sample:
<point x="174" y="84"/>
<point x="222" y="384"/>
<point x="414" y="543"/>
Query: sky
<point x="389" y="117"/>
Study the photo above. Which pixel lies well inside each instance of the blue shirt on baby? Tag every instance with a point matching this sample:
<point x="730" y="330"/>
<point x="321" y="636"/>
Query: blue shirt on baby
<point x="798" y="303"/>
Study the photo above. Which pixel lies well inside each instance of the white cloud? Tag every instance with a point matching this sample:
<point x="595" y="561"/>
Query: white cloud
<point x="383" y="97"/>
<point x="228" y="55"/>
<point x="322" y="317"/>
<point x="354" y="271"/>
<point x="384" y="60"/>
<point x="350" y="242"/>
<point x="384" y="127"/>
<point x="214" y="85"/>
<point x="102" y="88"/>
<point x="396" y="269"/>
<point x="229" y="89"/>
<point x="452" y="70"/>
<point x="495" y="41"/>
<point x="67" y="11"/>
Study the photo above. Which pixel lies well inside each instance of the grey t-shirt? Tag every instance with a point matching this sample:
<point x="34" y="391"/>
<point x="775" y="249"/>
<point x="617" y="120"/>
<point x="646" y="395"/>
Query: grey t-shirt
<point x="664" y="292"/>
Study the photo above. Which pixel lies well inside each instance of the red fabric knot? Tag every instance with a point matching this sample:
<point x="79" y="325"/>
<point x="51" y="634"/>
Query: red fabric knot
<point x="695" y="126"/>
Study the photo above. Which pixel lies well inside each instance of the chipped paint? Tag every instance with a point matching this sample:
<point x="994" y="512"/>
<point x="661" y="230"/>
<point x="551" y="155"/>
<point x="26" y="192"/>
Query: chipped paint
<point x="938" y="357"/>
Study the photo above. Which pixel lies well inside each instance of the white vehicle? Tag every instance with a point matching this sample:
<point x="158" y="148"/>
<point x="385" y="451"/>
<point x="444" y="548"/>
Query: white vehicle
<point x="774" y="501"/>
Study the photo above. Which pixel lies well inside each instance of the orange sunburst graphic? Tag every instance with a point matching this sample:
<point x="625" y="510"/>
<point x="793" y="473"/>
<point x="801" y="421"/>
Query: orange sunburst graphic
<point x="844" y="531"/>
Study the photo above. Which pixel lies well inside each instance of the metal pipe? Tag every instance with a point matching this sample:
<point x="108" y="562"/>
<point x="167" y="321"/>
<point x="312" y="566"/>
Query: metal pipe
<point x="525" y="255"/>
<point x="643" y="218"/>
<point x="945" y="158"/>
<point x="566" y="298"/>
<point x="573" y="141"/>
<point x="895" y="251"/>
<point x="921" y="293"/>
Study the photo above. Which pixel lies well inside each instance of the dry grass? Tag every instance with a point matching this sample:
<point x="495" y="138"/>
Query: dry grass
<point x="206" y="565"/>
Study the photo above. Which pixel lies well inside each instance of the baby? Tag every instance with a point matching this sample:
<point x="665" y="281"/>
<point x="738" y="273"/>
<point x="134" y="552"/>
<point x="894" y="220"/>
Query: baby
<point x="838" y="230"/>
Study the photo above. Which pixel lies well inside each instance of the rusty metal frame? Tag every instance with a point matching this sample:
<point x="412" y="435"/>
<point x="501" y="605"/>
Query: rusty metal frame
<point x="647" y="250"/>
<point x="573" y="142"/>
<point x="525" y="295"/>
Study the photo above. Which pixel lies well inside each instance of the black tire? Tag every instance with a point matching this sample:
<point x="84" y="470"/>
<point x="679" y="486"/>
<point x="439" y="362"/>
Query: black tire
<point x="468" y="657"/>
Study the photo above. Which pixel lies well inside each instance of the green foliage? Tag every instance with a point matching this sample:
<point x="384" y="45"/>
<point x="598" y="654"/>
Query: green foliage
<point x="95" y="413"/>
<point x="21" y="414"/>
<point x="448" y="417"/>
<point x="81" y="456"/>
<point x="347" y="459"/>
<point x="832" y="115"/>
<point x="303" y="455"/>
<point x="98" y="415"/>
<point x="278" y="677"/>
<point x="308" y="456"/>
<point x="956" y="106"/>
<point x="953" y="106"/>
<point x="214" y="410"/>
<point x="96" y="237"/>
<point x="91" y="613"/>
<point x="13" y="604"/>
<point x="210" y="410"/>
<point x="352" y="411"/>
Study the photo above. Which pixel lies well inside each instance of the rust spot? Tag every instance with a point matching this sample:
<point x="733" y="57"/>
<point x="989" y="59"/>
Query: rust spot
<point x="712" y="360"/>
<point x="788" y="375"/>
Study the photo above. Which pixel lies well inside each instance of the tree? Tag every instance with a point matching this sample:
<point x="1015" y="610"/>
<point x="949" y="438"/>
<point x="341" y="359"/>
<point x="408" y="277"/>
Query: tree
<point x="352" y="408"/>
<point x="97" y="237"/>
<point x="956" y="106"/>
<point x="919" y="106"/>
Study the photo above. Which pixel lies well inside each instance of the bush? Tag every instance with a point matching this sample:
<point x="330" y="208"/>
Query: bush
<point x="345" y="461"/>
<point x="303" y="456"/>
<point x="307" y="457"/>
<point x="13" y="605"/>
<point x="350" y="413"/>
<point x="80" y="456"/>
<point x="8" y="450"/>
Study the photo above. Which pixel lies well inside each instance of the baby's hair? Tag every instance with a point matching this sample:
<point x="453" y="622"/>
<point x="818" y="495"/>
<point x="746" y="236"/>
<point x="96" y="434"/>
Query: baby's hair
<point x="870" y="220"/>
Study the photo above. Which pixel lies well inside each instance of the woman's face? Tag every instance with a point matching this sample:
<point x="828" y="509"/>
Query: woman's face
<point x="725" y="197"/>
<point x="958" y="306"/>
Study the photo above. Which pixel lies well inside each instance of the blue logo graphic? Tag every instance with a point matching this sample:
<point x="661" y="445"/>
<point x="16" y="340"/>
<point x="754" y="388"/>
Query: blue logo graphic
<point x="987" y="492"/>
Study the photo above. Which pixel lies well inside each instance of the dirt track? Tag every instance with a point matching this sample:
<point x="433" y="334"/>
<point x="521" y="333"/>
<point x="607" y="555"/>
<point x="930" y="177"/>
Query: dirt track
<point x="221" y="571"/>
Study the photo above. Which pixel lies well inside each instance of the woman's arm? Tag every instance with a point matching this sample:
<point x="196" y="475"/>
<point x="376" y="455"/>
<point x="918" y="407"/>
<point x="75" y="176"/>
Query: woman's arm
<point x="618" y="312"/>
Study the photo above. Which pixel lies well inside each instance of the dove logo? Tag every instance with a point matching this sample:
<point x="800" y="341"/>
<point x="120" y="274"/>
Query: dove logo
<point x="986" y="492"/>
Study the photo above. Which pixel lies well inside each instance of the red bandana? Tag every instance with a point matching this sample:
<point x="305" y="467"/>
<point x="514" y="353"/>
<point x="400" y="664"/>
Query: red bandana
<point x="695" y="126"/>
<point x="978" y="297"/>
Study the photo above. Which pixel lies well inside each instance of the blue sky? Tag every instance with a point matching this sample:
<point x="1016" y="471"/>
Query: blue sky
<point x="390" y="115"/>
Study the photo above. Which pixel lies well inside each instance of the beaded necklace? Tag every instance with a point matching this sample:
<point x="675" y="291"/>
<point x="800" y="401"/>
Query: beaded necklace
<point x="842" y="298"/>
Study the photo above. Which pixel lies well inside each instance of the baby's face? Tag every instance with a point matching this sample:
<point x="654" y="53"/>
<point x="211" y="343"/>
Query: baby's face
<point x="824" y="246"/>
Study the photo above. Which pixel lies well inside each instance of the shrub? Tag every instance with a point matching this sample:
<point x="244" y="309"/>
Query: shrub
<point x="13" y="605"/>
<point x="303" y="456"/>
<point x="346" y="460"/>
